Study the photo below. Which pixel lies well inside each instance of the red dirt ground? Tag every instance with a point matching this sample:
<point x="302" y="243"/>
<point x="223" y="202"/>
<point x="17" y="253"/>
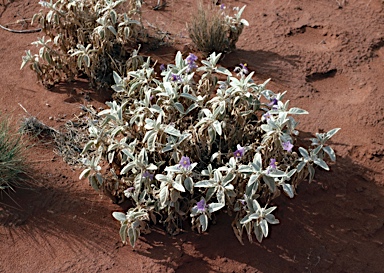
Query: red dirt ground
<point x="328" y="54"/>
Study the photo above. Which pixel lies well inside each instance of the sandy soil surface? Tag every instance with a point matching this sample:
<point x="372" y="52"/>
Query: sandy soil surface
<point x="328" y="54"/>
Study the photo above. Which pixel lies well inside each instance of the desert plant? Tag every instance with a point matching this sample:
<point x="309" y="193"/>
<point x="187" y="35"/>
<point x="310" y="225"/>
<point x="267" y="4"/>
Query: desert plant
<point x="84" y="37"/>
<point x="195" y="141"/>
<point x="13" y="164"/>
<point x="212" y="30"/>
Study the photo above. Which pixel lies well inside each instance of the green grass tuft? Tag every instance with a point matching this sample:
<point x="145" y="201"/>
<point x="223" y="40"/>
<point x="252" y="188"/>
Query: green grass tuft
<point x="13" y="164"/>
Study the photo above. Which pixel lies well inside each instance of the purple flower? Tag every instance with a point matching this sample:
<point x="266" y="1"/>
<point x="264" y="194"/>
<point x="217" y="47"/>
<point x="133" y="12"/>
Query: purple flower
<point x="201" y="205"/>
<point x="241" y="70"/>
<point x="222" y="6"/>
<point x="162" y="67"/>
<point x="149" y="175"/>
<point x="244" y="68"/>
<point x="287" y="146"/>
<point x="129" y="192"/>
<point x="272" y="164"/>
<point x="175" y="77"/>
<point x="191" y="67"/>
<point x="266" y="116"/>
<point x="191" y="58"/>
<point x="239" y="152"/>
<point x="185" y="162"/>
<point x="273" y="102"/>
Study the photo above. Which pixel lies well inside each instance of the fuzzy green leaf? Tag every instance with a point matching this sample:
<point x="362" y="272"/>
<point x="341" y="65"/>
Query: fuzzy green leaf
<point x="203" y="219"/>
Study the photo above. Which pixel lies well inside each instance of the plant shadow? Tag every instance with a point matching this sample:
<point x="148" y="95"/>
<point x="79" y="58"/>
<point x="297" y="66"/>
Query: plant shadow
<point x="80" y="91"/>
<point x="266" y="64"/>
<point x="53" y="209"/>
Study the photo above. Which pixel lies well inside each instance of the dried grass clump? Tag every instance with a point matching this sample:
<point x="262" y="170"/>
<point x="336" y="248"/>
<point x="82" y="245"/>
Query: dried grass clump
<point x="208" y="30"/>
<point x="213" y="30"/>
<point x="68" y="140"/>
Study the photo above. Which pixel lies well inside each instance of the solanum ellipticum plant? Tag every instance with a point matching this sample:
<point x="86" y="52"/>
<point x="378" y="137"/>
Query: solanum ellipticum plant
<point x="178" y="152"/>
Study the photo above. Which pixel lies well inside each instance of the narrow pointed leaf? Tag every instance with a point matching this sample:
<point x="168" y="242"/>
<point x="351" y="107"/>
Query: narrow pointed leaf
<point x="264" y="227"/>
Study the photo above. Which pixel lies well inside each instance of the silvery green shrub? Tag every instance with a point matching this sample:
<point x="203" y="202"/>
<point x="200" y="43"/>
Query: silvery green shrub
<point x="195" y="141"/>
<point x="84" y="37"/>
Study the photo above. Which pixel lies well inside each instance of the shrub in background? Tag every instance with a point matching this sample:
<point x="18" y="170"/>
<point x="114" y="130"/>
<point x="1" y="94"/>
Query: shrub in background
<point x="13" y="163"/>
<point x="211" y="30"/>
<point x="84" y="37"/>
<point x="177" y="152"/>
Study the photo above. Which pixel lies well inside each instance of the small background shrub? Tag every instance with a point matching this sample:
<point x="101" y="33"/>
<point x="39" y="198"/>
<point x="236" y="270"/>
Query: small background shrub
<point x="211" y="30"/>
<point x="207" y="30"/>
<point x="85" y="37"/>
